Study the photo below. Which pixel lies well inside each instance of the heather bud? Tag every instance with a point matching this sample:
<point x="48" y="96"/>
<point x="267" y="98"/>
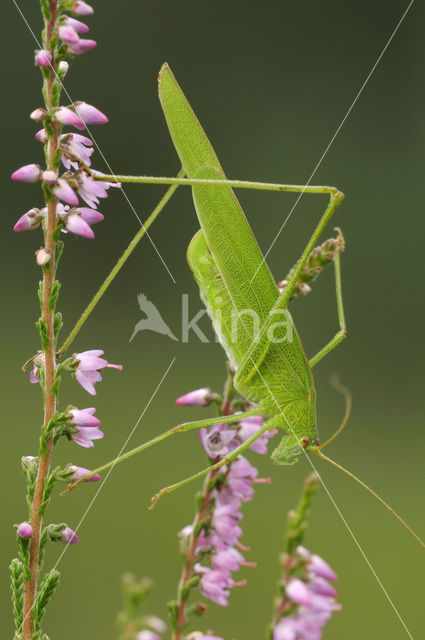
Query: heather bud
<point x="68" y="536"/>
<point x="38" y="114"/>
<point x="30" y="220"/>
<point x="198" y="398"/>
<point x="89" y="114"/>
<point x="49" y="176"/>
<point x="27" y="173"/>
<point x="43" y="58"/>
<point x="80" y="472"/>
<point x="81" y="8"/>
<point x="24" y="530"/>
<point x="42" y="257"/>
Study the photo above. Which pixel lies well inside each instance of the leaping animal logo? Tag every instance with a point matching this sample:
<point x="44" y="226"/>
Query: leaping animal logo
<point x="153" y="321"/>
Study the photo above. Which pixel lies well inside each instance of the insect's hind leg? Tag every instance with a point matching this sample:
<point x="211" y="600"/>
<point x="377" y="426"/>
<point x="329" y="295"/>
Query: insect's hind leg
<point x="342" y="333"/>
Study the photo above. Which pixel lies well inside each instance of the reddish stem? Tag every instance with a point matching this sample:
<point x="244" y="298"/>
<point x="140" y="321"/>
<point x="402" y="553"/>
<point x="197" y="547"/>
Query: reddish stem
<point x="49" y="366"/>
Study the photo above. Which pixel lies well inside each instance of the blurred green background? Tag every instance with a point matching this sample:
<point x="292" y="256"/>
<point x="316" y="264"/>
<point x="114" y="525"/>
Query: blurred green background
<point x="270" y="81"/>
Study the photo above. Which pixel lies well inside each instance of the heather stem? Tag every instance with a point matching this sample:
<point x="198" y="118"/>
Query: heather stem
<point x="49" y="354"/>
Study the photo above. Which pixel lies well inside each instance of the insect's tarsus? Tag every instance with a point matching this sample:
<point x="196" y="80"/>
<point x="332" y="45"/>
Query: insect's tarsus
<point x="348" y="404"/>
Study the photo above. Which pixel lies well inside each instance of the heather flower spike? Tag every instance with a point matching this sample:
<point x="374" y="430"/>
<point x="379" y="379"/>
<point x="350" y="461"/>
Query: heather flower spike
<point x="306" y="599"/>
<point x="31" y="589"/>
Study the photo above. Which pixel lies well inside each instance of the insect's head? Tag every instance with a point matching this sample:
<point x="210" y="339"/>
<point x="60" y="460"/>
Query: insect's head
<point x="292" y="446"/>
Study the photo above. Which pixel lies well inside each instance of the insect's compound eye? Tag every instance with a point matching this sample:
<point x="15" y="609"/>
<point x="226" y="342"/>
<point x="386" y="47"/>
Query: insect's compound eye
<point x="305" y="440"/>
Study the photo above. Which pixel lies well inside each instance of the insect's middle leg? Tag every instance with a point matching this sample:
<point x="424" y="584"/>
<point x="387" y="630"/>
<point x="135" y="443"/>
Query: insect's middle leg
<point x="342" y="333"/>
<point x="225" y="460"/>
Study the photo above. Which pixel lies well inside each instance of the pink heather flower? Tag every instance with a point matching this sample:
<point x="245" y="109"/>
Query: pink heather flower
<point x="66" y="116"/>
<point x="89" y="114"/>
<point x="88" y="366"/>
<point x="38" y="115"/>
<point x="41" y="136"/>
<point x="251" y="425"/>
<point x="35" y="373"/>
<point x="79" y="27"/>
<point x="30" y="220"/>
<point x="27" y="460"/>
<point x="85" y="436"/>
<point x="241" y="477"/>
<point x="24" y="530"/>
<point x="42" y="257"/>
<point x="27" y="173"/>
<point x="90" y="190"/>
<point x="316" y="565"/>
<point x="198" y="398"/>
<point x="68" y="536"/>
<point x="218" y="441"/>
<point x="82" y="9"/>
<point x="76" y="224"/>
<point x="43" y="58"/>
<point x="49" y="176"/>
<point x="65" y="192"/>
<point x="67" y="34"/>
<point x="81" y="46"/>
<point x="91" y="216"/>
<point x="83" y="417"/>
<point x="74" y="148"/>
<point x="214" y="584"/>
<point x="81" y="472"/>
<point x="228" y="560"/>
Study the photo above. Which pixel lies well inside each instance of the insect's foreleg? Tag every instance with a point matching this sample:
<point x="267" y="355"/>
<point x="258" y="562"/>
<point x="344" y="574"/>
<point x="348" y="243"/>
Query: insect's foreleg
<point x="338" y="337"/>
<point x="282" y="302"/>
<point x="186" y="426"/>
<point x="225" y="460"/>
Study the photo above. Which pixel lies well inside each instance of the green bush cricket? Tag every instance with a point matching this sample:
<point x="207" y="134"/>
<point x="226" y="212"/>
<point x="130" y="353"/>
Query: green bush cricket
<point x="272" y="369"/>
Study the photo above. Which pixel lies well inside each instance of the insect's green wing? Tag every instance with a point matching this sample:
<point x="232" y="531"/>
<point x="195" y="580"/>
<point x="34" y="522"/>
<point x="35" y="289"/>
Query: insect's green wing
<point x="226" y="229"/>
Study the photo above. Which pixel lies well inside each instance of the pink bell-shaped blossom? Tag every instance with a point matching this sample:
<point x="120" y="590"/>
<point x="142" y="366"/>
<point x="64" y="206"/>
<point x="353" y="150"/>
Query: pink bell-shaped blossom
<point x="81" y="8"/>
<point x="65" y="192"/>
<point x="68" y="536"/>
<point x="30" y="220"/>
<point x="90" y="114"/>
<point x="43" y="58"/>
<point x="24" y="530"/>
<point x="90" y="190"/>
<point x="38" y="115"/>
<point x="27" y="173"/>
<point x="79" y="27"/>
<point x="81" y="46"/>
<point x="85" y="436"/>
<point x="66" y="116"/>
<point x="80" y="472"/>
<point x="75" y="147"/>
<point x="67" y="34"/>
<point x="83" y="417"/>
<point x="89" y="363"/>
<point x="198" y="398"/>
<point x="42" y="257"/>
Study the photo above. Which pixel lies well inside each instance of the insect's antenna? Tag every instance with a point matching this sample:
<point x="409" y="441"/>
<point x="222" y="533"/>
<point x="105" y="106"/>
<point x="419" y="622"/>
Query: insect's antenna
<point x="365" y="486"/>
<point x="335" y="383"/>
